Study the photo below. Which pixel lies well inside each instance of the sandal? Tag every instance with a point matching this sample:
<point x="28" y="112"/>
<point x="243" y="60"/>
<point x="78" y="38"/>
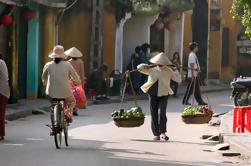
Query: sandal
<point x="164" y="137"/>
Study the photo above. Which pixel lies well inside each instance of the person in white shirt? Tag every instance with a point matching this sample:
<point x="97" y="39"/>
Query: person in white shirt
<point x="193" y="76"/>
<point x="4" y="94"/>
<point x="56" y="76"/>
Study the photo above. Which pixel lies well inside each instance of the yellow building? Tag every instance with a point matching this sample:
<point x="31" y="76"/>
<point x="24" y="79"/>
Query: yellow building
<point x="227" y="44"/>
<point x="75" y="30"/>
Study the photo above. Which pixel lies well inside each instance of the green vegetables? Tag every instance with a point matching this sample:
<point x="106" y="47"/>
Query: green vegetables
<point x="197" y="110"/>
<point x="190" y="111"/>
<point x="134" y="112"/>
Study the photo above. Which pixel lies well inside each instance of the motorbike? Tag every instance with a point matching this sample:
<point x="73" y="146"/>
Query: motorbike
<point x="241" y="91"/>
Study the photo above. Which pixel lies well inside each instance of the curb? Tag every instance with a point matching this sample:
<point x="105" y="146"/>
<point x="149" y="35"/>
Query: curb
<point x="227" y="136"/>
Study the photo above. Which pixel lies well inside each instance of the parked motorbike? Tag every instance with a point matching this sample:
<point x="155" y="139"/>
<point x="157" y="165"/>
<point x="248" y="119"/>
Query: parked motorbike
<point x="241" y="91"/>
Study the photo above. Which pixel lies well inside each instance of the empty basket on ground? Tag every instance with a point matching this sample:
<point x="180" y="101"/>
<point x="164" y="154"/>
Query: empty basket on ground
<point x="129" y="122"/>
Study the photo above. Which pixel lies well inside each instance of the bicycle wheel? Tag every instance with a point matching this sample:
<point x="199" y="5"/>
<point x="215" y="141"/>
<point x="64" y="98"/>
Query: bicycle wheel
<point x="66" y="133"/>
<point x="58" y="126"/>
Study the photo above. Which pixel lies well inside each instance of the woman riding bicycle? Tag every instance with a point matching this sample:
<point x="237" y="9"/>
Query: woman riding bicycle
<point x="56" y="76"/>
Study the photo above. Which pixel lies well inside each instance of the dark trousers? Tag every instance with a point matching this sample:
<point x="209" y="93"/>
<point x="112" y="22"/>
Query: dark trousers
<point x="3" y="102"/>
<point x="136" y="80"/>
<point x="189" y="91"/>
<point x="174" y="85"/>
<point x="158" y="121"/>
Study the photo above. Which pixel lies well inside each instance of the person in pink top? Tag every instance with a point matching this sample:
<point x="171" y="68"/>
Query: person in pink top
<point x="78" y="65"/>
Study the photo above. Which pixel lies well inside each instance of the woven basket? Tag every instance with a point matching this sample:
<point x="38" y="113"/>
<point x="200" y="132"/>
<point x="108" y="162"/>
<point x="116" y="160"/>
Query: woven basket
<point x="129" y="122"/>
<point x="196" y="119"/>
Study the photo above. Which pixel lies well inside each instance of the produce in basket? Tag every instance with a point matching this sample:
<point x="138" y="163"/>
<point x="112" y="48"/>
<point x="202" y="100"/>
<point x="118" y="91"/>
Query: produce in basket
<point x="133" y="112"/>
<point x="197" y="110"/>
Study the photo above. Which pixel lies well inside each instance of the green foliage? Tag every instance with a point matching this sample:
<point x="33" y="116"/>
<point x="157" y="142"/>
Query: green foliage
<point x="242" y="10"/>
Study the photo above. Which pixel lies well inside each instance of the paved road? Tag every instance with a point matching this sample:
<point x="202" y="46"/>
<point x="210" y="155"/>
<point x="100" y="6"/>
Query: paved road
<point x="95" y="141"/>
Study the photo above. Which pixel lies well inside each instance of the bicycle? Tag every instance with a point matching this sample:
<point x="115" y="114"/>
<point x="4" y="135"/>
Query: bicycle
<point x="59" y="124"/>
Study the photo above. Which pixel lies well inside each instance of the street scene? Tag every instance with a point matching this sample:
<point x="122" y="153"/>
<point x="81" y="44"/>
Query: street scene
<point x="95" y="140"/>
<point x="125" y="82"/>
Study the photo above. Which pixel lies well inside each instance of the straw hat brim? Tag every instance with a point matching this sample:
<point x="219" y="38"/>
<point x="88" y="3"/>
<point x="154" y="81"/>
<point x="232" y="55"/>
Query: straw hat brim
<point x="73" y="52"/>
<point x="161" y="59"/>
<point x="53" y="55"/>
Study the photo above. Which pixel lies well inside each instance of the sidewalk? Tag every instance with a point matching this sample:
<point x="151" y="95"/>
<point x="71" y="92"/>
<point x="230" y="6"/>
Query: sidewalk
<point x="240" y="142"/>
<point x="24" y="107"/>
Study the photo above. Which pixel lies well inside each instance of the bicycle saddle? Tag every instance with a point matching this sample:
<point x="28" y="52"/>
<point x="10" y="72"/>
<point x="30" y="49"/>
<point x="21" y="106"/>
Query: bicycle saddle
<point x="58" y="99"/>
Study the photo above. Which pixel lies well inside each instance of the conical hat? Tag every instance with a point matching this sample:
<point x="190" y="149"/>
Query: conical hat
<point x="160" y="59"/>
<point x="73" y="52"/>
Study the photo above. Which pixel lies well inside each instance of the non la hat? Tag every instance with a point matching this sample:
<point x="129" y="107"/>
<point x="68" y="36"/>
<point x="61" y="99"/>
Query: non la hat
<point x="58" y="52"/>
<point x="73" y="52"/>
<point x="160" y="59"/>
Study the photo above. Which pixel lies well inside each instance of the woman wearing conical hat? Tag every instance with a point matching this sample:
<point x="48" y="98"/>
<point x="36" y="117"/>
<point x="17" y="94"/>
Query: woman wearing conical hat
<point x="56" y="78"/>
<point x="158" y="89"/>
<point x="78" y="65"/>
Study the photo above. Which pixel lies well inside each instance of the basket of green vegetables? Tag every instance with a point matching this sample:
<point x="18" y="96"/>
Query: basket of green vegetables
<point x="197" y="115"/>
<point x="133" y="117"/>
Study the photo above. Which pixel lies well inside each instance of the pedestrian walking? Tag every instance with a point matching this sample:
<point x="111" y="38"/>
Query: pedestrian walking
<point x="193" y="76"/>
<point x="177" y="63"/>
<point x="4" y="94"/>
<point x="56" y="76"/>
<point x="78" y="65"/>
<point x="158" y="89"/>
<point x="136" y="76"/>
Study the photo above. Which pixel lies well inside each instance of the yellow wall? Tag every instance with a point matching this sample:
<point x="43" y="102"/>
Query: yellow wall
<point x="109" y="38"/>
<point x="214" y="50"/>
<point x="46" y="39"/>
<point x="75" y="30"/>
<point x="187" y="35"/>
<point x="235" y="27"/>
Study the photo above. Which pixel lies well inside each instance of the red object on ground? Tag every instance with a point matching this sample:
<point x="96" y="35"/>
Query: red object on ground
<point x="91" y="93"/>
<point x="242" y="119"/>
<point x="29" y="14"/>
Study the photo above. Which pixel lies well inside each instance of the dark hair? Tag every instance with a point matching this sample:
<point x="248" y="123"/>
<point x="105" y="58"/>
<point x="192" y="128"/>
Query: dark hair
<point x="193" y="45"/>
<point x="74" y="58"/>
<point x="138" y="49"/>
<point x="103" y="67"/>
<point x="57" y="60"/>
<point x="1" y="56"/>
<point x="144" y="47"/>
<point x="176" y="53"/>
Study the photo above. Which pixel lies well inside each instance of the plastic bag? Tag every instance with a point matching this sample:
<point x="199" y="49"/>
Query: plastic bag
<point x="79" y="94"/>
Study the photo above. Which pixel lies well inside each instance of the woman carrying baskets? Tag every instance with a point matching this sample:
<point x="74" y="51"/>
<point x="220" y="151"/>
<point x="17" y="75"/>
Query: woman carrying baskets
<point x="158" y="89"/>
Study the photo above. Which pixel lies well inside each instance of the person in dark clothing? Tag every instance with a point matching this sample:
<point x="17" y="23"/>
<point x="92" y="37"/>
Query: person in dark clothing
<point x="95" y="81"/>
<point x="193" y="76"/>
<point x="177" y="63"/>
<point x="136" y="76"/>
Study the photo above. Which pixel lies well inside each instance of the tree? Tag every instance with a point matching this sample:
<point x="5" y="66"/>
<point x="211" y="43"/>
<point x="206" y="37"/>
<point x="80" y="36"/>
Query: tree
<point x="242" y="10"/>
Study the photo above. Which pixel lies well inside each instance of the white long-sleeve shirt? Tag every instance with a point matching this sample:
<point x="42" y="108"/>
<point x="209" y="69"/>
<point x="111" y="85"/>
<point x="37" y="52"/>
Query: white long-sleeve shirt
<point x="56" y="77"/>
<point x="163" y="77"/>
<point x="4" y="80"/>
